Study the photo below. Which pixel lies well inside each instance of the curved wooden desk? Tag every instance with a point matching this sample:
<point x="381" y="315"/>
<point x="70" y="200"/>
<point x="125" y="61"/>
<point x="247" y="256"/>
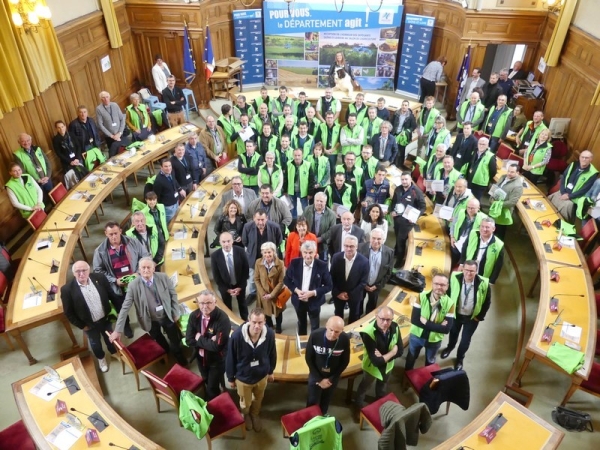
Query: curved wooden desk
<point x="57" y="223"/>
<point x="40" y="416"/>
<point x="523" y="429"/>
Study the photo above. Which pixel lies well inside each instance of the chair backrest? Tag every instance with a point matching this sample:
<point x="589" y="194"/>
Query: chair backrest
<point x="554" y="188"/>
<point x="504" y="151"/>
<point x="559" y="149"/>
<point x="421" y="184"/>
<point x="125" y="352"/>
<point x="517" y="158"/>
<point x="2" y="326"/>
<point x="36" y="219"/>
<point x="588" y="232"/>
<point x="58" y="193"/>
<point x="161" y="388"/>
<point x="416" y="172"/>
<point x="3" y="287"/>
<point x="593" y="261"/>
<point x="5" y="254"/>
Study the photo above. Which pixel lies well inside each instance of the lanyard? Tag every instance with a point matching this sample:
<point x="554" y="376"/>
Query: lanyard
<point x="332" y="350"/>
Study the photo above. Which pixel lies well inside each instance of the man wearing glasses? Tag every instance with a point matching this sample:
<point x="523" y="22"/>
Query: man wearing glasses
<point x="432" y="317"/>
<point x="382" y="343"/>
<point x="239" y="193"/>
<point x="208" y="334"/>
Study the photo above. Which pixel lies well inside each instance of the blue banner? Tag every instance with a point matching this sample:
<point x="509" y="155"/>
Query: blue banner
<point x="248" y="33"/>
<point x="418" y="32"/>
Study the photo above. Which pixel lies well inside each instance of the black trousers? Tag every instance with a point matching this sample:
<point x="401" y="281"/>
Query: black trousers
<point x="241" y="299"/>
<point x="314" y="316"/>
<point x="373" y="298"/>
<point x="402" y="228"/>
<point x="96" y="333"/>
<point x="468" y="327"/>
<point x="213" y="375"/>
<point x="427" y="89"/>
<point x="318" y="396"/>
<point x="173" y="333"/>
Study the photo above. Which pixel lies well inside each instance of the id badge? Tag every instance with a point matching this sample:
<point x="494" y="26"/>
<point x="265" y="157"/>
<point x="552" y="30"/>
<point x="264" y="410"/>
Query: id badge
<point x="176" y="194"/>
<point x="71" y="155"/>
<point x="159" y="308"/>
<point x="458" y="156"/>
<point x="570" y="186"/>
<point x="114" y="124"/>
<point x="188" y="176"/>
<point x="125" y="269"/>
<point x="326" y="369"/>
<point x="254" y="364"/>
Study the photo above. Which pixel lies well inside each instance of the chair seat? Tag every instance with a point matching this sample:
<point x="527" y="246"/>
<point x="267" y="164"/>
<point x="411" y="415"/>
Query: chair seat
<point x="16" y="437"/>
<point x="418" y="377"/>
<point x="593" y="382"/>
<point x="371" y="412"/>
<point x="182" y="379"/>
<point x="293" y="421"/>
<point x="145" y="350"/>
<point x="226" y="415"/>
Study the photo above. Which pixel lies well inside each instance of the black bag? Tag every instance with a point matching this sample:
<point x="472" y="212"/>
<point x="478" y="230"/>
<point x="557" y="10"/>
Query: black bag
<point x="572" y="420"/>
<point x="409" y="279"/>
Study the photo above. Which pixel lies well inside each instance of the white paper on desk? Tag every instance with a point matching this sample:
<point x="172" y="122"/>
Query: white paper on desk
<point x="396" y="181"/>
<point x="538" y="206"/>
<point x="177" y="254"/>
<point x="47" y="386"/>
<point x="393" y="171"/>
<point x="232" y="165"/>
<point x="32" y="300"/>
<point x="567" y="241"/>
<point x="179" y="235"/>
<point x="45" y="243"/>
<point x="76" y="196"/>
<point x="506" y="163"/>
<point x="246" y="133"/>
<point x="411" y="214"/>
<point x="511" y="133"/>
<point x="194" y="210"/>
<point x="64" y="436"/>
<point x="174" y="279"/>
<point x="199" y="194"/>
<point x="571" y="332"/>
<point x="91" y="178"/>
<point x="434" y="185"/>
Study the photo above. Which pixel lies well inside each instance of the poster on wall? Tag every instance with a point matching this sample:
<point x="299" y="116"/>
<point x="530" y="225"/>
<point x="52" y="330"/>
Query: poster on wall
<point x="248" y="32"/>
<point x="418" y="32"/>
<point x="301" y="43"/>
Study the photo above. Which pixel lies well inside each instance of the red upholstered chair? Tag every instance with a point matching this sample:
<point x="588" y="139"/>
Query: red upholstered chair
<point x="3" y="329"/>
<point x="589" y="232"/>
<point x="16" y="437"/>
<point x="170" y="386"/>
<point x="138" y="355"/>
<point x="36" y="219"/>
<point x="418" y="377"/>
<point x="58" y="193"/>
<point x="421" y="184"/>
<point x="227" y="418"/>
<point x="598" y="304"/>
<point x="370" y="413"/>
<point x="292" y="422"/>
<point x="3" y="288"/>
<point x="504" y="151"/>
<point x="591" y="385"/>
<point x="593" y="262"/>
<point x="597" y="342"/>
<point x="554" y="188"/>
<point x="13" y="262"/>
<point x="479" y="134"/>
<point x="416" y="172"/>
<point x="517" y="158"/>
<point x="558" y="160"/>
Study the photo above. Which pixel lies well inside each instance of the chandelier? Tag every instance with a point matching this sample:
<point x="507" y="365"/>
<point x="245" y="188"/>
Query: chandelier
<point x="29" y="15"/>
<point x="553" y="5"/>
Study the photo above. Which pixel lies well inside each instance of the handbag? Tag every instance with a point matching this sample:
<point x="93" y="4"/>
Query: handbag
<point x="283" y="296"/>
<point x="409" y="279"/>
<point x="572" y="420"/>
<point x="224" y="159"/>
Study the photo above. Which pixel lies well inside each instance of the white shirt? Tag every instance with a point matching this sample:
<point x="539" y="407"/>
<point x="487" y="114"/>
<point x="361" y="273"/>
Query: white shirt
<point x="240" y="200"/>
<point x="467" y="302"/>
<point x="344" y="235"/>
<point x="482" y="247"/>
<point x="349" y="263"/>
<point x="306" y="276"/>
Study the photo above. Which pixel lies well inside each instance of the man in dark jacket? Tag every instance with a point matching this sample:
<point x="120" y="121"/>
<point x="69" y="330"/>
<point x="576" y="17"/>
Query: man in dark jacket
<point x="251" y="360"/>
<point x="208" y="332"/>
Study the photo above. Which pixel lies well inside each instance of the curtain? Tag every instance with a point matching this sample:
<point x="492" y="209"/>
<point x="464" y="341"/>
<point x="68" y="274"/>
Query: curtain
<point x="560" y="33"/>
<point x="112" y="25"/>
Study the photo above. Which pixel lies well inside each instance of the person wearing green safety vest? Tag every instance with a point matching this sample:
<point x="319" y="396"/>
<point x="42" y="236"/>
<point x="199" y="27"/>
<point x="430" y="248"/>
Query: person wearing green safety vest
<point x="241" y="107"/>
<point x="486" y="249"/>
<point x="267" y="141"/>
<point x="537" y="156"/>
<point x="367" y="162"/>
<point x="303" y="140"/>
<point x="320" y="166"/>
<point x="319" y="433"/>
<point x="328" y="103"/>
<point x="471" y="110"/>
<point x="243" y="132"/>
<point x="150" y="238"/>
<point x="340" y="193"/>
<point x="438" y="135"/>
<point x="498" y="121"/>
<point x="248" y="164"/>
<point x="358" y="107"/>
<point x="382" y="344"/>
<point x="262" y="117"/>
<point x="434" y="163"/>
<point x="23" y="192"/>
<point x="371" y="124"/>
<point x="226" y="122"/>
<point x="432" y="317"/>
<point x="34" y="162"/>
<point x="286" y="127"/>
<point x="278" y="103"/>
<point x="465" y="221"/>
<point x="481" y="169"/>
<point x="288" y="112"/>
<point x="312" y="122"/>
<point x="449" y="175"/>
<point x="351" y="137"/>
<point x="457" y="198"/>
<point x="154" y="212"/>
<point x="193" y="414"/>
<point x="137" y="118"/>
<point x="263" y="99"/>
<point x="284" y="154"/>
<point x="530" y="131"/>
<point x="503" y="205"/>
<point x="575" y="182"/>
<point x="471" y="294"/>
<point x="328" y="134"/>
<point x="353" y="174"/>
<point x="426" y="120"/>
<point x="300" y="180"/>
<point x="271" y="174"/>
<point x="300" y="106"/>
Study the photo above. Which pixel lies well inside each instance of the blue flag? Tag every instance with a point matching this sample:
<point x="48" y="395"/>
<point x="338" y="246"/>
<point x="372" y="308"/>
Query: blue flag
<point x="463" y="74"/>
<point x="189" y="64"/>
<point x="209" y="57"/>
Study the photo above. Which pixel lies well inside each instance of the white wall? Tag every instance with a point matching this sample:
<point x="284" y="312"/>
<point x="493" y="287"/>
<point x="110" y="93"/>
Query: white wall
<point x="64" y="11"/>
<point x="586" y="16"/>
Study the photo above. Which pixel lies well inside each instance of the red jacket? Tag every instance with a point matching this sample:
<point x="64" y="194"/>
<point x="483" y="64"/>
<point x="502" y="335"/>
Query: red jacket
<point x="292" y="247"/>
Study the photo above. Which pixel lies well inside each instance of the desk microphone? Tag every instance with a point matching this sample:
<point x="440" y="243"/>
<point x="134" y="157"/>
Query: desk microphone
<point x="568" y="295"/>
<point x="545" y="215"/>
<point x="57" y="233"/>
<point x="32" y="286"/>
<point x="50" y="237"/>
<point x="39" y="262"/>
<point x="53" y="288"/>
<point x="555" y="276"/>
<point x="61" y="389"/>
<point x="97" y="417"/>
<point x="184" y="228"/>
<point x="66" y="214"/>
<point x="110" y="444"/>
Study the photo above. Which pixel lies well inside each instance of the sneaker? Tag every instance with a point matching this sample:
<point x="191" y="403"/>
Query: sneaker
<point x="248" y="422"/>
<point x="256" y="423"/>
<point x="103" y="365"/>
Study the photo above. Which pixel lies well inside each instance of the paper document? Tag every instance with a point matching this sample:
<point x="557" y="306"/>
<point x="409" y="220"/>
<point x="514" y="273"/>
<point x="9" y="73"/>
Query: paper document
<point x="384" y="208"/>
<point x="497" y="193"/>
<point x="177" y="254"/>
<point x="571" y="332"/>
<point x="538" y="206"/>
<point x="47" y="388"/>
<point x="443" y="212"/>
<point x="246" y="133"/>
<point x="567" y="241"/>
<point x="411" y="214"/>
<point x="64" y="436"/>
<point x="31" y="300"/>
<point x="179" y="235"/>
<point x="76" y="196"/>
<point x="199" y="194"/>
<point x="43" y="244"/>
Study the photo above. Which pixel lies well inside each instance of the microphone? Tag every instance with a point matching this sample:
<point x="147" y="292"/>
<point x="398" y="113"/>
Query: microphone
<point x="545" y="222"/>
<point x="53" y="288"/>
<point x="554" y="274"/>
<point x="69" y="217"/>
<point x="50" y="237"/>
<point x="184" y="228"/>
<point x="62" y="389"/>
<point x="553" y="304"/>
<point x="110" y="444"/>
<point x="557" y="246"/>
<point x="32" y="286"/>
<point x="57" y="233"/>
<point x="39" y="262"/>
<point x="97" y="417"/>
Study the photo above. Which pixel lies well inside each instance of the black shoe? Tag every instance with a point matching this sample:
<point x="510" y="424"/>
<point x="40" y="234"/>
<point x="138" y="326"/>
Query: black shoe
<point x="278" y="330"/>
<point x="446" y="352"/>
<point x="251" y="298"/>
<point x="458" y="365"/>
<point x="128" y="332"/>
<point x="181" y="360"/>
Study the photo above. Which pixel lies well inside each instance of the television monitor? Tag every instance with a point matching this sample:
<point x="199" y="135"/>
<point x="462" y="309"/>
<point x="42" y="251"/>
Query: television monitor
<point x="559" y="126"/>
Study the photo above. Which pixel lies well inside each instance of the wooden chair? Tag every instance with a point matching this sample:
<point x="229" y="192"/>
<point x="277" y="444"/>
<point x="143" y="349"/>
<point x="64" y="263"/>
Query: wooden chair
<point x="591" y="385"/>
<point x="292" y="422"/>
<point x="504" y="151"/>
<point x="36" y="219"/>
<point x="554" y="188"/>
<point x="370" y="413"/>
<point x="170" y="386"/>
<point x="138" y="355"/>
<point x="421" y="184"/>
<point x="4" y="288"/>
<point x="58" y="193"/>
<point x="16" y="437"/>
<point x="227" y="418"/>
<point x="3" y="332"/>
<point x="517" y="158"/>
<point x="593" y="262"/>
<point x="589" y="233"/>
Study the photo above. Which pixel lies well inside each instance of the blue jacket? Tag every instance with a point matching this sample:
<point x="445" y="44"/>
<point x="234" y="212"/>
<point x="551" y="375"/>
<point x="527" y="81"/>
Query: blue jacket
<point x="242" y="353"/>
<point x="320" y="281"/>
<point x="357" y="279"/>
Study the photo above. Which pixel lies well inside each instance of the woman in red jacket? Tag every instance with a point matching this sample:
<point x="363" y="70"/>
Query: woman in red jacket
<point x="296" y="239"/>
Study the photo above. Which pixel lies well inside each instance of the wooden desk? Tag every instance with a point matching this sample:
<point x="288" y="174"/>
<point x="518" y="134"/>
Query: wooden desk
<point x="40" y="417"/>
<point x="523" y="430"/>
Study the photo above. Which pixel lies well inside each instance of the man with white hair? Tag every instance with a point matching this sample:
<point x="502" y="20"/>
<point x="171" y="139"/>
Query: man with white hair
<point x="470" y="111"/>
<point x="34" y="162"/>
<point x="111" y="122"/>
<point x="381" y="262"/>
<point x="482" y="168"/>
<point x="320" y="220"/>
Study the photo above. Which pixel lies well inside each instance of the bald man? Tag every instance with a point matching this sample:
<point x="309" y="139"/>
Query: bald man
<point x="327" y="356"/>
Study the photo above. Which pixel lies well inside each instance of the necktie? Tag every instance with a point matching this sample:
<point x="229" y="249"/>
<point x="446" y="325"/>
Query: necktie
<point x="372" y="273"/>
<point x="230" y="268"/>
<point x="149" y="283"/>
<point x="382" y="149"/>
<point x="205" y="321"/>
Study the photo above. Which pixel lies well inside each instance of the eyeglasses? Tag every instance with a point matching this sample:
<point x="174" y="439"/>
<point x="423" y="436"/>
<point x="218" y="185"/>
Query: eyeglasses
<point x="205" y="303"/>
<point x="384" y="320"/>
<point x="440" y="284"/>
<point x="81" y="271"/>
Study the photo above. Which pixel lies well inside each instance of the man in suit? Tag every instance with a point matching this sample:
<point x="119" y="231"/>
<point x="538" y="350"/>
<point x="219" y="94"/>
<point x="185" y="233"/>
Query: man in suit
<point x="341" y="230"/>
<point x="309" y="280"/>
<point x="86" y="304"/>
<point x="156" y="307"/>
<point x="230" y="271"/>
<point x="517" y="73"/>
<point x="474" y="81"/>
<point x="464" y="146"/>
<point x="381" y="261"/>
<point x="185" y="173"/>
<point x="320" y="220"/>
<point x="385" y="147"/>
<point x="349" y="275"/>
<point x="239" y="193"/>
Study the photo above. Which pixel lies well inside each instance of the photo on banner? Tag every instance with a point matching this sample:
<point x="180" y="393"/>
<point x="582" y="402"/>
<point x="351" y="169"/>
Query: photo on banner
<point x="300" y="45"/>
<point x="248" y="32"/>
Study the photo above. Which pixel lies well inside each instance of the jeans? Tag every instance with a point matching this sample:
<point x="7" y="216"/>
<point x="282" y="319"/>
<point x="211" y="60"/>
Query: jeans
<point x="594" y="190"/>
<point x="303" y="202"/>
<point x="170" y="211"/>
<point x="314" y="316"/>
<point x="98" y="329"/>
<point x="415" y="344"/>
<point x="318" y="396"/>
<point x="468" y="326"/>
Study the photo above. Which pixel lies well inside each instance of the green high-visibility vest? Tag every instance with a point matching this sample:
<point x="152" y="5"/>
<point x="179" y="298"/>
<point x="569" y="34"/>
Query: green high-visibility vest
<point x="240" y="145"/>
<point x="26" y="193"/>
<point x="239" y="112"/>
<point x="439" y="139"/>
<point x="537" y="156"/>
<point x="292" y="134"/>
<point x="335" y="136"/>
<point x="271" y="179"/>
<point x="492" y="253"/>
<point x="479" y="111"/>
<point x="360" y="115"/>
<point x="320" y="168"/>
<point x="228" y="126"/>
<point x="460" y="218"/>
<point x="277" y="106"/>
<point x="335" y="106"/>
<point x="371" y="166"/>
<point x="500" y="123"/>
<point x="446" y="304"/>
<point x="346" y="196"/>
<point x="581" y="180"/>
<point x="27" y="164"/>
<point x="319" y="433"/>
<point x="297" y="104"/>
<point x="367" y="365"/>
<point x="250" y="180"/>
<point x="306" y="148"/>
<point x="482" y="175"/>
<point x="193" y="414"/>
<point x="258" y="123"/>
<point x="375" y="125"/>
<point x="135" y="118"/>
<point x="428" y="126"/>
<point x="271" y="145"/>
<point x="358" y="176"/>
<point x="303" y="177"/>
<point x="537" y="131"/>
<point x="259" y="101"/>
<point x="353" y="134"/>
<point x="153" y="240"/>
<point x="481" y="293"/>
<point x="137" y="205"/>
